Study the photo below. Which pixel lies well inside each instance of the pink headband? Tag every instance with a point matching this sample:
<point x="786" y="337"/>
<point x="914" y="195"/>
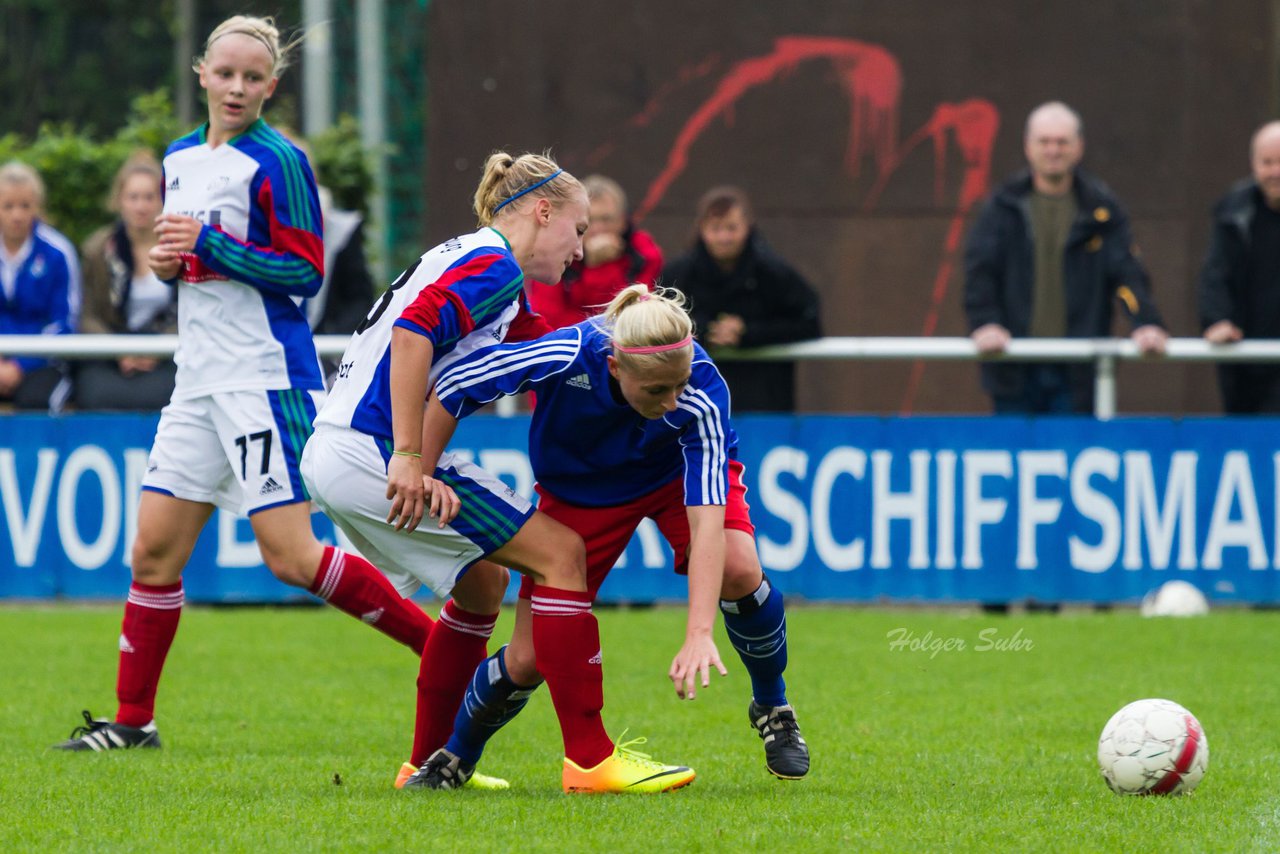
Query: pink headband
<point x="656" y="348"/>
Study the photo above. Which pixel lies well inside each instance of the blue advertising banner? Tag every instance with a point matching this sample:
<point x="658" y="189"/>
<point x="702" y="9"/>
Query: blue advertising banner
<point x="846" y="508"/>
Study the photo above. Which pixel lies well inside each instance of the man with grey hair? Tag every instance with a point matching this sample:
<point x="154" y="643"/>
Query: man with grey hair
<point x="1240" y="281"/>
<point x="1050" y="256"/>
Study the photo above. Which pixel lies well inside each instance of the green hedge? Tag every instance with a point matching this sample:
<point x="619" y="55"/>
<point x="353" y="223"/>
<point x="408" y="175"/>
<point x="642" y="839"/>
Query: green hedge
<point x="77" y="169"/>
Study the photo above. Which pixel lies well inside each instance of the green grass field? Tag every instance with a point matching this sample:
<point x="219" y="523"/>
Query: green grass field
<point x="283" y="730"/>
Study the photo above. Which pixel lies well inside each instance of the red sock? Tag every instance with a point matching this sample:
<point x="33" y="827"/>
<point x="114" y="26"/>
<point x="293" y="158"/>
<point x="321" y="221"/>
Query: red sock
<point x="458" y="643"/>
<point x="150" y="622"/>
<point x="566" y="643"/>
<point x="356" y="587"/>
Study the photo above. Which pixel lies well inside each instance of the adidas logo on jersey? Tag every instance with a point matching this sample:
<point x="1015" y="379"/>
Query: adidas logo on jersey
<point x="173" y="185"/>
<point x="125" y="646"/>
<point x="373" y="616"/>
<point x="598" y="658"/>
<point x="580" y="381"/>
<point x="270" y="487"/>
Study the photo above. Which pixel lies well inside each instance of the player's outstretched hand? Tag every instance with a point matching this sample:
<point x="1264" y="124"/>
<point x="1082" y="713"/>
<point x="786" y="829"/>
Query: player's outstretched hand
<point x="695" y="658"/>
<point x="443" y="503"/>
<point x="404" y="488"/>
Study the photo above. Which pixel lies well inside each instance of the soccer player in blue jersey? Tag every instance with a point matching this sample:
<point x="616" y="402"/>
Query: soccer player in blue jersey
<point x="365" y="468"/>
<point x="240" y="237"/>
<point x="632" y="421"/>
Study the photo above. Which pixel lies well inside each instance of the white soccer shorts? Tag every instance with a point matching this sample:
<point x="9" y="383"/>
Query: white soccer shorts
<point x="346" y="475"/>
<point x="238" y="449"/>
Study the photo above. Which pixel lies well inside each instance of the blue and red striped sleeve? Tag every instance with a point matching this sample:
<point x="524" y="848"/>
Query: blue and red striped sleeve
<point x="472" y="292"/>
<point x="286" y="210"/>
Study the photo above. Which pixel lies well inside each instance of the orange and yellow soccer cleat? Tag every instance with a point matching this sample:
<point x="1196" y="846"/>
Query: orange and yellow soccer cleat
<point x="406" y="771"/>
<point x="624" y="771"/>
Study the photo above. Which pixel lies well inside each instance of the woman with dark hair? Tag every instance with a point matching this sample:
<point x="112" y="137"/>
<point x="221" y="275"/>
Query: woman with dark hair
<point x="123" y="296"/>
<point x="742" y="294"/>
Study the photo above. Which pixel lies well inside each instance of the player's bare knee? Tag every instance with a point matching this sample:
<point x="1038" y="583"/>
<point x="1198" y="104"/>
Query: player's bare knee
<point x="290" y="570"/>
<point x="481" y="589"/>
<point x="492" y="588"/>
<point x="150" y="563"/>
<point x="521" y="664"/>
<point x="571" y="563"/>
<point x="741" y="578"/>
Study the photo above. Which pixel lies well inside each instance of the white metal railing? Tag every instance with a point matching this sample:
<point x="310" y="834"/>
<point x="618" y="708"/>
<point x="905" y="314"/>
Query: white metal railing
<point x="1103" y="352"/>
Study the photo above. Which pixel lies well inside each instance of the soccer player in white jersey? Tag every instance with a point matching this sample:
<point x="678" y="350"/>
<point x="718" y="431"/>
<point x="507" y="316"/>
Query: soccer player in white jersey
<point x="364" y="466"/>
<point x="632" y="421"/>
<point x="240" y="237"/>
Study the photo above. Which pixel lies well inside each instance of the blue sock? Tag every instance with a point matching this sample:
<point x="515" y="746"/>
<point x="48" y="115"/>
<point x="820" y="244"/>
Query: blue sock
<point x="492" y="700"/>
<point x="757" y="627"/>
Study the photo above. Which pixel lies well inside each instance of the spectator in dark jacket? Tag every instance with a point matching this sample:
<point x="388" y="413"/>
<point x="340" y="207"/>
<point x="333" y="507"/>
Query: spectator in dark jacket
<point x="741" y="294"/>
<point x="123" y="297"/>
<point x="615" y="253"/>
<point x="39" y="289"/>
<point x="1240" y="281"/>
<point x="1049" y="256"/>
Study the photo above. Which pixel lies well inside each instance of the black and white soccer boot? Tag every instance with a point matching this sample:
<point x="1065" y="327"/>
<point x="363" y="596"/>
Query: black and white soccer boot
<point x="785" y="753"/>
<point x="102" y="734"/>
<point x="442" y="770"/>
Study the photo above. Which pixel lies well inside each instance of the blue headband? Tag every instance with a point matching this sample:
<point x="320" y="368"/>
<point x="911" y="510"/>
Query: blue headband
<point x="528" y="189"/>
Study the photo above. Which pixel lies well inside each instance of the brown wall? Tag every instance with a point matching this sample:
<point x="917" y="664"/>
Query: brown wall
<point x="866" y="132"/>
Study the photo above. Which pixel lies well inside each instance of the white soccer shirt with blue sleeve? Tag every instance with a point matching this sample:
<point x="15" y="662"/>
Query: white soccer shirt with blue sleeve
<point x="462" y="295"/>
<point x="586" y="444"/>
<point x="260" y="246"/>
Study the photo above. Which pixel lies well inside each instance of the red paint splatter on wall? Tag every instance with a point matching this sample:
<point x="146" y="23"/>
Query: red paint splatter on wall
<point x="871" y="79"/>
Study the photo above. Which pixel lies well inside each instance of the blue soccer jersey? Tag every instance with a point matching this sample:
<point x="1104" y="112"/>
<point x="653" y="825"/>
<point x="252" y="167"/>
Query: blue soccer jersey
<point x="587" y="445"/>
<point x="260" y="247"/>
<point x="465" y="294"/>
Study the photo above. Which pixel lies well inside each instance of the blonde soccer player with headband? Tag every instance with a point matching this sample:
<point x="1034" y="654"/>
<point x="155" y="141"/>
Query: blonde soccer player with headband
<point x="632" y="422"/>
<point x="240" y="238"/>
<point x="368" y="470"/>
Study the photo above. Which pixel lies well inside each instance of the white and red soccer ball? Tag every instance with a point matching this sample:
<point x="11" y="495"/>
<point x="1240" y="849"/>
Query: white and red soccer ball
<point x="1153" y="747"/>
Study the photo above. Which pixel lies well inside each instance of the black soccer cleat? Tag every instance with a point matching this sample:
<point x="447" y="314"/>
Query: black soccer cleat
<point x="101" y="734"/>
<point x="442" y="770"/>
<point x="785" y="753"/>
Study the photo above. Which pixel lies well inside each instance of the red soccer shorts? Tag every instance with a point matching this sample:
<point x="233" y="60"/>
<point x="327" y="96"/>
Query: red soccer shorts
<point x="607" y="530"/>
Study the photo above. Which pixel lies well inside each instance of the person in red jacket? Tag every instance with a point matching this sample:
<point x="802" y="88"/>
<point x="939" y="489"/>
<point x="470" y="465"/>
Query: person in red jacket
<point x="615" y="254"/>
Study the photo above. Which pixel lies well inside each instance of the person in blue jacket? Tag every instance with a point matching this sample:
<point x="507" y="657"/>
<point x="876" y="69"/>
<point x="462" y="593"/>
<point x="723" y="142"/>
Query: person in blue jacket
<point x="39" y="289"/>
<point x="632" y="421"/>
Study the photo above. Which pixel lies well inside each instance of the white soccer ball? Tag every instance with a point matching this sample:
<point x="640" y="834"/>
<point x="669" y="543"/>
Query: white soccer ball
<point x="1153" y="747"/>
<point x="1175" y="599"/>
